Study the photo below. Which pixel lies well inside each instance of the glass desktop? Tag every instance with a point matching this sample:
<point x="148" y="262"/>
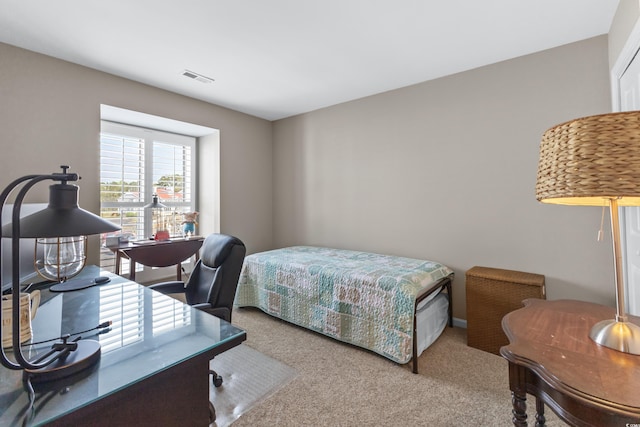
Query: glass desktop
<point x="149" y="333"/>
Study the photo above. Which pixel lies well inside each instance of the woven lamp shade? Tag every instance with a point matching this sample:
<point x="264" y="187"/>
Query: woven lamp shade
<point x="589" y="160"/>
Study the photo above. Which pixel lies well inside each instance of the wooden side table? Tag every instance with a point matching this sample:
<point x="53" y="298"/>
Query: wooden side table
<point x="552" y="358"/>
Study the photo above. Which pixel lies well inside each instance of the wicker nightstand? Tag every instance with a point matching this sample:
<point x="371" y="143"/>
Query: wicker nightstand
<point x="491" y="294"/>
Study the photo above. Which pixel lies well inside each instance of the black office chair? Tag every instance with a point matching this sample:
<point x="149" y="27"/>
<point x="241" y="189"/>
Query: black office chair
<point x="213" y="281"/>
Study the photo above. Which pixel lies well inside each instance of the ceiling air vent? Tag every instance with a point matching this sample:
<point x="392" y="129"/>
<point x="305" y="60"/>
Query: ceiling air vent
<point x="197" y="77"/>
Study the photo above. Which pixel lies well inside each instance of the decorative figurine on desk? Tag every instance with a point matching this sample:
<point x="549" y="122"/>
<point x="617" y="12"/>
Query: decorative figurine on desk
<point x="189" y="223"/>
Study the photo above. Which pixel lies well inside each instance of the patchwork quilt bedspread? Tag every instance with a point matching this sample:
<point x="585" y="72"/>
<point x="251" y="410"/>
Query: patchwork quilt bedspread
<point x="361" y="298"/>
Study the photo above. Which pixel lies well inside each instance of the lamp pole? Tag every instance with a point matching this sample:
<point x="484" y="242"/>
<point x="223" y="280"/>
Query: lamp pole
<point x="15" y="265"/>
<point x="62" y="218"/>
<point x="618" y="334"/>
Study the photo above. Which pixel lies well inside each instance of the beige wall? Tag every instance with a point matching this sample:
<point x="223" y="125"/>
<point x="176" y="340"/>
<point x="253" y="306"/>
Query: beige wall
<point x="50" y="115"/>
<point x="445" y="170"/>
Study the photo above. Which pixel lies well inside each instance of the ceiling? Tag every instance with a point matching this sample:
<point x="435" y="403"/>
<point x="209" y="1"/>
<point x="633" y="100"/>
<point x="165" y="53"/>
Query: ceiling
<point x="278" y="58"/>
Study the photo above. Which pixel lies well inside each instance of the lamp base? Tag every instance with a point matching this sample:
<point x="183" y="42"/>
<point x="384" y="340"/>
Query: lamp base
<point x="87" y="354"/>
<point x="620" y="336"/>
<point x="77" y="283"/>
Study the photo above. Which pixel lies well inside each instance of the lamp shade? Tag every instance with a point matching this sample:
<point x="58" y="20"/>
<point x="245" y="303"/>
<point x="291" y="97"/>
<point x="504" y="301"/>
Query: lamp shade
<point x="590" y="160"/>
<point x="61" y="218"/>
<point x="595" y="161"/>
<point x="155" y="204"/>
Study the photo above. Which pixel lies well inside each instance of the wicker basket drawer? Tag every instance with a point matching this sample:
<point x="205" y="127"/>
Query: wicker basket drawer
<point x="492" y="293"/>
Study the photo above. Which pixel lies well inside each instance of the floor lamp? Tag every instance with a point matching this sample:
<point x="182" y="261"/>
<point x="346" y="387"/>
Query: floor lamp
<point x="61" y="218"/>
<point x="595" y="161"/>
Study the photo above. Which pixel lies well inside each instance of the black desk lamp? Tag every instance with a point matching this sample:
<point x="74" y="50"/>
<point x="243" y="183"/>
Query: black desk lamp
<point x="62" y="218"/>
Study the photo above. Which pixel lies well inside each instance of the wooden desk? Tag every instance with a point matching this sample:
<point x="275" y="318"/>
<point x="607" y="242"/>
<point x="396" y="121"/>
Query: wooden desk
<point x="163" y="253"/>
<point x="552" y="357"/>
<point x="150" y="373"/>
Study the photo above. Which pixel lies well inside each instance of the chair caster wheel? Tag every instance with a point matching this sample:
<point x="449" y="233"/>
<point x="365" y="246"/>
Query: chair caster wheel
<point x="212" y="413"/>
<point x="217" y="380"/>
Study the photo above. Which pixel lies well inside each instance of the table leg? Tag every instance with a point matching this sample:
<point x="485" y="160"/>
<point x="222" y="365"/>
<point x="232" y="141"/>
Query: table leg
<point x="179" y="272"/>
<point x="519" y="401"/>
<point x="118" y="261"/>
<point x="540" y="420"/>
<point x="132" y="271"/>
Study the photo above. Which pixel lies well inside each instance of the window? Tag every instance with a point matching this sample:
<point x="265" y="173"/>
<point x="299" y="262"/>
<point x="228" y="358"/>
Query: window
<point x="135" y="165"/>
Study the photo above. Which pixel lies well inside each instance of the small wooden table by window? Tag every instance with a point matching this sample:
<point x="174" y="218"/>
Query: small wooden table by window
<point x="552" y="358"/>
<point x="162" y="253"/>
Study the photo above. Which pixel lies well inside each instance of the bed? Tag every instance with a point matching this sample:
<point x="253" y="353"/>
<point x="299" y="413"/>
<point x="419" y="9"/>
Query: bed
<point x="393" y="306"/>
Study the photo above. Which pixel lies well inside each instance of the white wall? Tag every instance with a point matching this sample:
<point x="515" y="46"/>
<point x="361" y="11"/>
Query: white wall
<point x="625" y="19"/>
<point x="445" y="170"/>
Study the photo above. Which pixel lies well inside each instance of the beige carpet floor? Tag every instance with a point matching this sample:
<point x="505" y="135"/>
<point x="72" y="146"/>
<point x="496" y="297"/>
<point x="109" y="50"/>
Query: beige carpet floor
<point x="341" y="385"/>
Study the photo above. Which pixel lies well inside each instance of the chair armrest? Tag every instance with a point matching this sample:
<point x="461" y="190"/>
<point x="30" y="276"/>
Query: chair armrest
<point x="202" y="306"/>
<point x="220" y="312"/>
<point x="168" y="287"/>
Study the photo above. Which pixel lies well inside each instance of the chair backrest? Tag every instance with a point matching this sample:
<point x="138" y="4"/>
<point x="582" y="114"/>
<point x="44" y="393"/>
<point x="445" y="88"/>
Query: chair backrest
<point x="214" y="279"/>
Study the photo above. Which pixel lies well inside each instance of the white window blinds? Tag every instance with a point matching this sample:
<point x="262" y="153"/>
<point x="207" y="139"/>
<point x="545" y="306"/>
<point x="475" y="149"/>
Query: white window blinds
<point x="135" y="165"/>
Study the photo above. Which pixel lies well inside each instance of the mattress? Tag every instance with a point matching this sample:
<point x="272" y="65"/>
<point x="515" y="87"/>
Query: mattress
<point x="361" y="298"/>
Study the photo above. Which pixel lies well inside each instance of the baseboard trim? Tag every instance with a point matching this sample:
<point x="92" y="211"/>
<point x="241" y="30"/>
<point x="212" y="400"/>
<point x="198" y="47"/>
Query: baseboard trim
<point x="459" y="323"/>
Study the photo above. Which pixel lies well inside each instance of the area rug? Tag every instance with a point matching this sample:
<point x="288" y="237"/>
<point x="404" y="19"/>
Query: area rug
<point x="249" y="377"/>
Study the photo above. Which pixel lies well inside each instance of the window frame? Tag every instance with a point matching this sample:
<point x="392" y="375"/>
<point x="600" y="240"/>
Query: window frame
<point x="149" y="136"/>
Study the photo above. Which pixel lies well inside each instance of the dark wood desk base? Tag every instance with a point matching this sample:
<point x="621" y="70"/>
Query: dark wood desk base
<point x="178" y="396"/>
<point x="154" y="379"/>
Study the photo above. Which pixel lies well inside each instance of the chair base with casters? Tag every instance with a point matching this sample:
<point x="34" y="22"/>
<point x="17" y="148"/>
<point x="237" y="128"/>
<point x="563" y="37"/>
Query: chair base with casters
<point x="225" y="314"/>
<point x="216" y="379"/>
<point x="212" y="413"/>
<point x="212" y="285"/>
<point x="220" y="312"/>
